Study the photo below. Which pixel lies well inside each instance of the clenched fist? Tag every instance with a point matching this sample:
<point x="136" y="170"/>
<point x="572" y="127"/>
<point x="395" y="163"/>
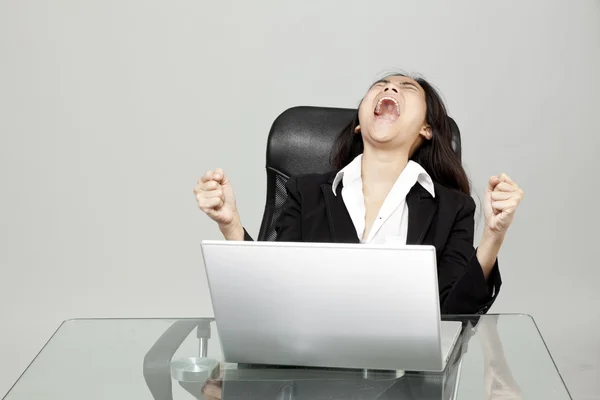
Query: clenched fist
<point x="216" y="199"/>
<point x="502" y="197"/>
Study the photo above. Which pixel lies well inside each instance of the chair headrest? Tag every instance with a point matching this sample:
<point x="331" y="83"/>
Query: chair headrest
<point x="301" y="139"/>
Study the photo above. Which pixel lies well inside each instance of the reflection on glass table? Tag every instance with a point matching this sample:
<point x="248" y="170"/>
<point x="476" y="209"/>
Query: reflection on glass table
<point x="498" y="357"/>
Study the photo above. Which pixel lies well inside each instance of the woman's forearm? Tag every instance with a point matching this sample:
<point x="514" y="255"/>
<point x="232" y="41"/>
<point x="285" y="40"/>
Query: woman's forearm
<point x="234" y="231"/>
<point x="487" y="252"/>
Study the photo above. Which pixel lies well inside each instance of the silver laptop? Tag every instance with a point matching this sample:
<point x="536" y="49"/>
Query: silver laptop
<point x="329" y="305"/>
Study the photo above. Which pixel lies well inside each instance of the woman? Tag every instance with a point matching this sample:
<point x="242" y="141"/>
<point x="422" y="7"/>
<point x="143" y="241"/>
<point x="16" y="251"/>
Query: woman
<point x="397" y="179"/>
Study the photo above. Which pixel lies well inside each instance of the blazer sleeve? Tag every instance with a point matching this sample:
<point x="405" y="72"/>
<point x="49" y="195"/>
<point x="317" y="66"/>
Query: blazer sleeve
<point x="463" y="287"/>
<point x="289" y="224"/>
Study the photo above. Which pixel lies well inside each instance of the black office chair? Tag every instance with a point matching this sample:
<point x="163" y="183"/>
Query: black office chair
<point x="300" y="142"/>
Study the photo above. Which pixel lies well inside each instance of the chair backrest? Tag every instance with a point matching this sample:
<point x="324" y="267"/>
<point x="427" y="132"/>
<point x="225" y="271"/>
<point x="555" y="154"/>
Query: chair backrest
<point x="300" y="142"/>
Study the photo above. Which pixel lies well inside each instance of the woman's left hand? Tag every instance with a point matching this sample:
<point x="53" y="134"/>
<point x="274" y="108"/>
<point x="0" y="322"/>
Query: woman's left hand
<point x="502" y="197"/>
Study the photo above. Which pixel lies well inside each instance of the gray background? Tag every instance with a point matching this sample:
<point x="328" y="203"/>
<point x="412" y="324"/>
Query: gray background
<point x="111" y="110"/>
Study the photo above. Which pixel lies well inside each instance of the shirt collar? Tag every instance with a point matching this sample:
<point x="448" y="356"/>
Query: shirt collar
<point x="350" y="173"/>
<point x="413" y="171"/>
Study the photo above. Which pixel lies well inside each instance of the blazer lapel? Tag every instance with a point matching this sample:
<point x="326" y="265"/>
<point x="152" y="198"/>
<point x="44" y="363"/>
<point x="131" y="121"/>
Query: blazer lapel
<point x="340" y="224"/>
<point x="421" y="210"/>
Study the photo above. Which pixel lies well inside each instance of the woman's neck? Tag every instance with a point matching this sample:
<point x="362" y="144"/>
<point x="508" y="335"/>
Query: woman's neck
<point x="382" y="168"/>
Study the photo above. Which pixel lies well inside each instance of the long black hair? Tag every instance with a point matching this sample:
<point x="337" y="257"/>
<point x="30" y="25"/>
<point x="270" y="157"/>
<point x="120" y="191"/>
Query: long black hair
<point x="436" y="155"/>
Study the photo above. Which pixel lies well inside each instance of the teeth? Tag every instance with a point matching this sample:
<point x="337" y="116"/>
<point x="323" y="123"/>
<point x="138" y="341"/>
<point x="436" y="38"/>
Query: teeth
<point x="378" y="108"/>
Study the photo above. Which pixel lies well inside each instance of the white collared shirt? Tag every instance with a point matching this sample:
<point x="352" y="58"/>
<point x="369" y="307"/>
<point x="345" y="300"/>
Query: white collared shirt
<point x="391" y="224"/>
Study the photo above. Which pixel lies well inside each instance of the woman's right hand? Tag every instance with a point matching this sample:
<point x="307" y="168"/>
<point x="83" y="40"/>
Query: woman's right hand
<point x="216" y="199"/>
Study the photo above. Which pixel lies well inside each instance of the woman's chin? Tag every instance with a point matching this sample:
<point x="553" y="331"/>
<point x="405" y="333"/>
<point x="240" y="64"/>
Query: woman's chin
<point x="382" y="130"/>
<point x="382" y="137"/>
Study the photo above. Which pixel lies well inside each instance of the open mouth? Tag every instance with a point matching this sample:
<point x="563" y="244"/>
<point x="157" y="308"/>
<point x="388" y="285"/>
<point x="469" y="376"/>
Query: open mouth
<point x="387" y="108"/>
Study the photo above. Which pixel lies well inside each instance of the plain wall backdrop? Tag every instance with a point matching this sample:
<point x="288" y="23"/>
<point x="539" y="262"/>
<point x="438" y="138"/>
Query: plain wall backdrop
<point x="111" y="110"/>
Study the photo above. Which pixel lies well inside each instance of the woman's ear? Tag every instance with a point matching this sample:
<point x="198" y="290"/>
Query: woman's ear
<point x="426" y="132"/>
<point x="357" y="129"/>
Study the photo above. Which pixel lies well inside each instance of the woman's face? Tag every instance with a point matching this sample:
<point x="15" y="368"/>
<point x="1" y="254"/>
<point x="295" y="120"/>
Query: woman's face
<point x="394" y="111"/>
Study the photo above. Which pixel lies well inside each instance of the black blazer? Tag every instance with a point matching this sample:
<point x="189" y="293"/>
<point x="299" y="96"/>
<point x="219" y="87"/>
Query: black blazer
<point x="312" y="213"/>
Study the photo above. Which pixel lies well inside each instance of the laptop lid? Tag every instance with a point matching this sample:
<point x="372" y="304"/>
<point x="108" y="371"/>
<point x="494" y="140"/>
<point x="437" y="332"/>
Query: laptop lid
<point x="326" y="305"/>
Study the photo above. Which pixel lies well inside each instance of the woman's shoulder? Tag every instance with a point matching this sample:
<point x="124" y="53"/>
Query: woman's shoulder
<point x="453" y="197"/>
<point x="308" y="181"/>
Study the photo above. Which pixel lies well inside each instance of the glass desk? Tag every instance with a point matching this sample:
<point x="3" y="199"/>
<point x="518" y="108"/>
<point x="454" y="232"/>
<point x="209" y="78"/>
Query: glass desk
<point x="497" y="357"/>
